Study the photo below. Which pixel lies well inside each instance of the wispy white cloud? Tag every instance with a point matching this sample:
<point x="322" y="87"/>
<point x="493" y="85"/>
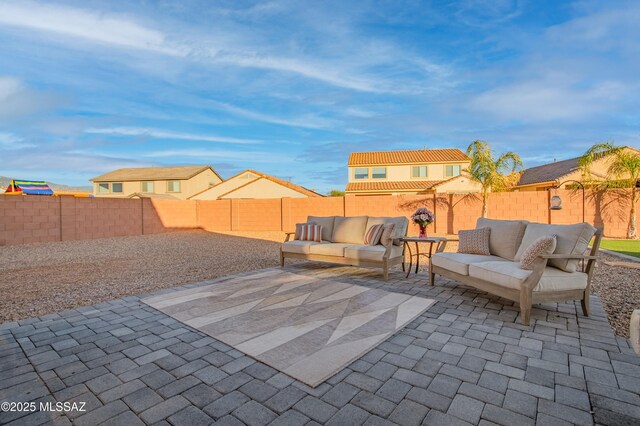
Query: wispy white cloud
<point x="484" y="14"/>
<point x="547" y="100"/>
<point x="9" y="141"/>
<point x="246" y="157"/>
<point x="164" y="134"/>
<point x="85" y="24"/>
<point x="18" y="100"/>
<point x="309" y="121"/>
<point x="347" y="67"/>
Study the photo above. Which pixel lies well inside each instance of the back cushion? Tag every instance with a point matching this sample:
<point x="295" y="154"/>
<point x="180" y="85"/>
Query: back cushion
<point x="327" y="225"/>
<point x="505" y="237"/>
<point x="570" y="239"/>
<point x="349" y="229"/>
<point x="401" y="223"/>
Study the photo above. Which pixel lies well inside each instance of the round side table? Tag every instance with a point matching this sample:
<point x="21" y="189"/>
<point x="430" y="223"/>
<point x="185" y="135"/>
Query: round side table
<point x="439" y="243"/>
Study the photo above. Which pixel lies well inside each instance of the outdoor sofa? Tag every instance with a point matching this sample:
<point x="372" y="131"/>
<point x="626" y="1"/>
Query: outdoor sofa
<point x="553" y="278"/>
<point x="343" y="243"/>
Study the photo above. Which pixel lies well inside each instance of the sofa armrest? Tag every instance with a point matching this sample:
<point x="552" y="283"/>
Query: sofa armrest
<point x="288" y="236"/>
<point x="569" y="256"/>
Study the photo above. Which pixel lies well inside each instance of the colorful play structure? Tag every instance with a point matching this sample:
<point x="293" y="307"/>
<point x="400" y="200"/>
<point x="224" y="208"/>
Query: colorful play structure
<point x="28" y="187"/>
<point x="38" y="187"/>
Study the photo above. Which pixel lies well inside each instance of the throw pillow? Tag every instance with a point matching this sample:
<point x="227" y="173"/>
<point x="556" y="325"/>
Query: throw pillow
<point x="372" y="237"/>
<point x="387" y="234"/>
<point x="543" y="245"/>
<point x="474" y="241"/>
<point x="299" y="229"/>
<point x="311" y="233"/>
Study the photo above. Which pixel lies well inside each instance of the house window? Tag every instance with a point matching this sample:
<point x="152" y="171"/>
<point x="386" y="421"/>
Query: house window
<point x="361" y="173"/>
<point x="173" y="186"/>
<point x="452" y="171"/>
<point x="147" y="187"/>
<point x="419" y="172"/>
<point x="116" y="187"/>
<point x="103" y="188"/>
<point x="379" y="172"/>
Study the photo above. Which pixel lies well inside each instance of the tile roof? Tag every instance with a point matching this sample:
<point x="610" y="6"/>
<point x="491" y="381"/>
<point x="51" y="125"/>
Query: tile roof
<point x="548" y="172"/>
<point x="151" y="173"/>
<point x="417" y="156"/>
<point x="409" y="185"/>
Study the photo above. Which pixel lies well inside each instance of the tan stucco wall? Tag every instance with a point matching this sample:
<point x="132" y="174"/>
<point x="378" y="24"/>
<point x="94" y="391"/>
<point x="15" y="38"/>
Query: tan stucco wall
<point x="264" y="188"/>
<point x="188" y="187"/>
<point x="462" y="184"/>
<point x="435" y="171"/>
<point x="225" y="186"/>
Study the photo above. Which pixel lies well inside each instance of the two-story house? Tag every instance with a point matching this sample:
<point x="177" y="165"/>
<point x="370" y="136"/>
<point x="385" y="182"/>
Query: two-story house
<point x="409" y="172"/>
<point x="155" y="182"/>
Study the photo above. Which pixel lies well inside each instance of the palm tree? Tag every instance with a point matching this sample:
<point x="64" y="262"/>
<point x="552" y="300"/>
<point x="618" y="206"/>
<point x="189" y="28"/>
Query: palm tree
<point x="623" y="172"/>
<point x="491" y="173"/>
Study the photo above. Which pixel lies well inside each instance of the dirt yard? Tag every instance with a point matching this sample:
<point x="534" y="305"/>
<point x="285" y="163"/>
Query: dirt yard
<point x="37" y="279"/>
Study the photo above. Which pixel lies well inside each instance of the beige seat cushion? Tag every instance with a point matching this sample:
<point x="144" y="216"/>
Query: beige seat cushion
<point x="327" y="225"/>
<point x="303" y="247"/>
<point x="349" y="229"/>
<point x="506" y="236"/>
<point x="554" y="279"/>
<point x="401" y="222"/>
<point x="459" y="262"/>
<point x="374" y="253"/>
<point x="329" y="249"/>
<point x="510" y="275"/>
<point x="570" y="239"/>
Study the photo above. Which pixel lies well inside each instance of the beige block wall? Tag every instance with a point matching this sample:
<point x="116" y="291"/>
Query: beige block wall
<point x="32" y="219"/>
<point x="435" y="171"/>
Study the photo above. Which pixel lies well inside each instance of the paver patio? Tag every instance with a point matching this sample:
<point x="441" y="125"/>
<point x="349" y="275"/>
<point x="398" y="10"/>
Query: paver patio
<point x="466" y="359"/>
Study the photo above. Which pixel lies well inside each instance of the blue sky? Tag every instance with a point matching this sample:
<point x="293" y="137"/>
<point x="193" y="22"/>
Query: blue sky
<point x="290" y="87"/>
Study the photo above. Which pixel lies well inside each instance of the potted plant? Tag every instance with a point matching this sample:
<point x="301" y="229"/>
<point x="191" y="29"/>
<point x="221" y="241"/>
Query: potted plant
<point x="423" y="217"/>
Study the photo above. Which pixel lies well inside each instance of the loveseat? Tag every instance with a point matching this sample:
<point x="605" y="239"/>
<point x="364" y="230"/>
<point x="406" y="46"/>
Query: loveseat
<point x="343" y="243"/>
<point x="554" y="277"/>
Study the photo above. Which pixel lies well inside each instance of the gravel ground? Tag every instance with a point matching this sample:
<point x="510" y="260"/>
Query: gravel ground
<point x="617" y="283"/>
<point x="37" y="279"/>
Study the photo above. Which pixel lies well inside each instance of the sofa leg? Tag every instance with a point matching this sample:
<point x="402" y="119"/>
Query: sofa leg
<point x="585" y="304"/>
<point x="432" y="278"/>
<point x="403" y="270"/>
<point x="385" y="273"/>
<point x="281" y="260"/>
<point x="525" y="307"/>
<point x="525" y="315"/>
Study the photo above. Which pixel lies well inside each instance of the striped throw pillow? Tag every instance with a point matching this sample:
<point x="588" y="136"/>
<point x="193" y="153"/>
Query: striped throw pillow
<point x="372" y="237"/>
<point x="299" y="229"/>
<point x="310" y="232"/>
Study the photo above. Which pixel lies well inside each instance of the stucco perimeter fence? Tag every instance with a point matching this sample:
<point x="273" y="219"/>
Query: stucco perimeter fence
<point x="29" y="219"/>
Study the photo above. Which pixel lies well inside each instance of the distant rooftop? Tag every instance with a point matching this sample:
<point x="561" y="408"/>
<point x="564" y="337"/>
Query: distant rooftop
<point x="548" y="172"/>
<point x="418" y="156"/>
<point x="151" y="173"/>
